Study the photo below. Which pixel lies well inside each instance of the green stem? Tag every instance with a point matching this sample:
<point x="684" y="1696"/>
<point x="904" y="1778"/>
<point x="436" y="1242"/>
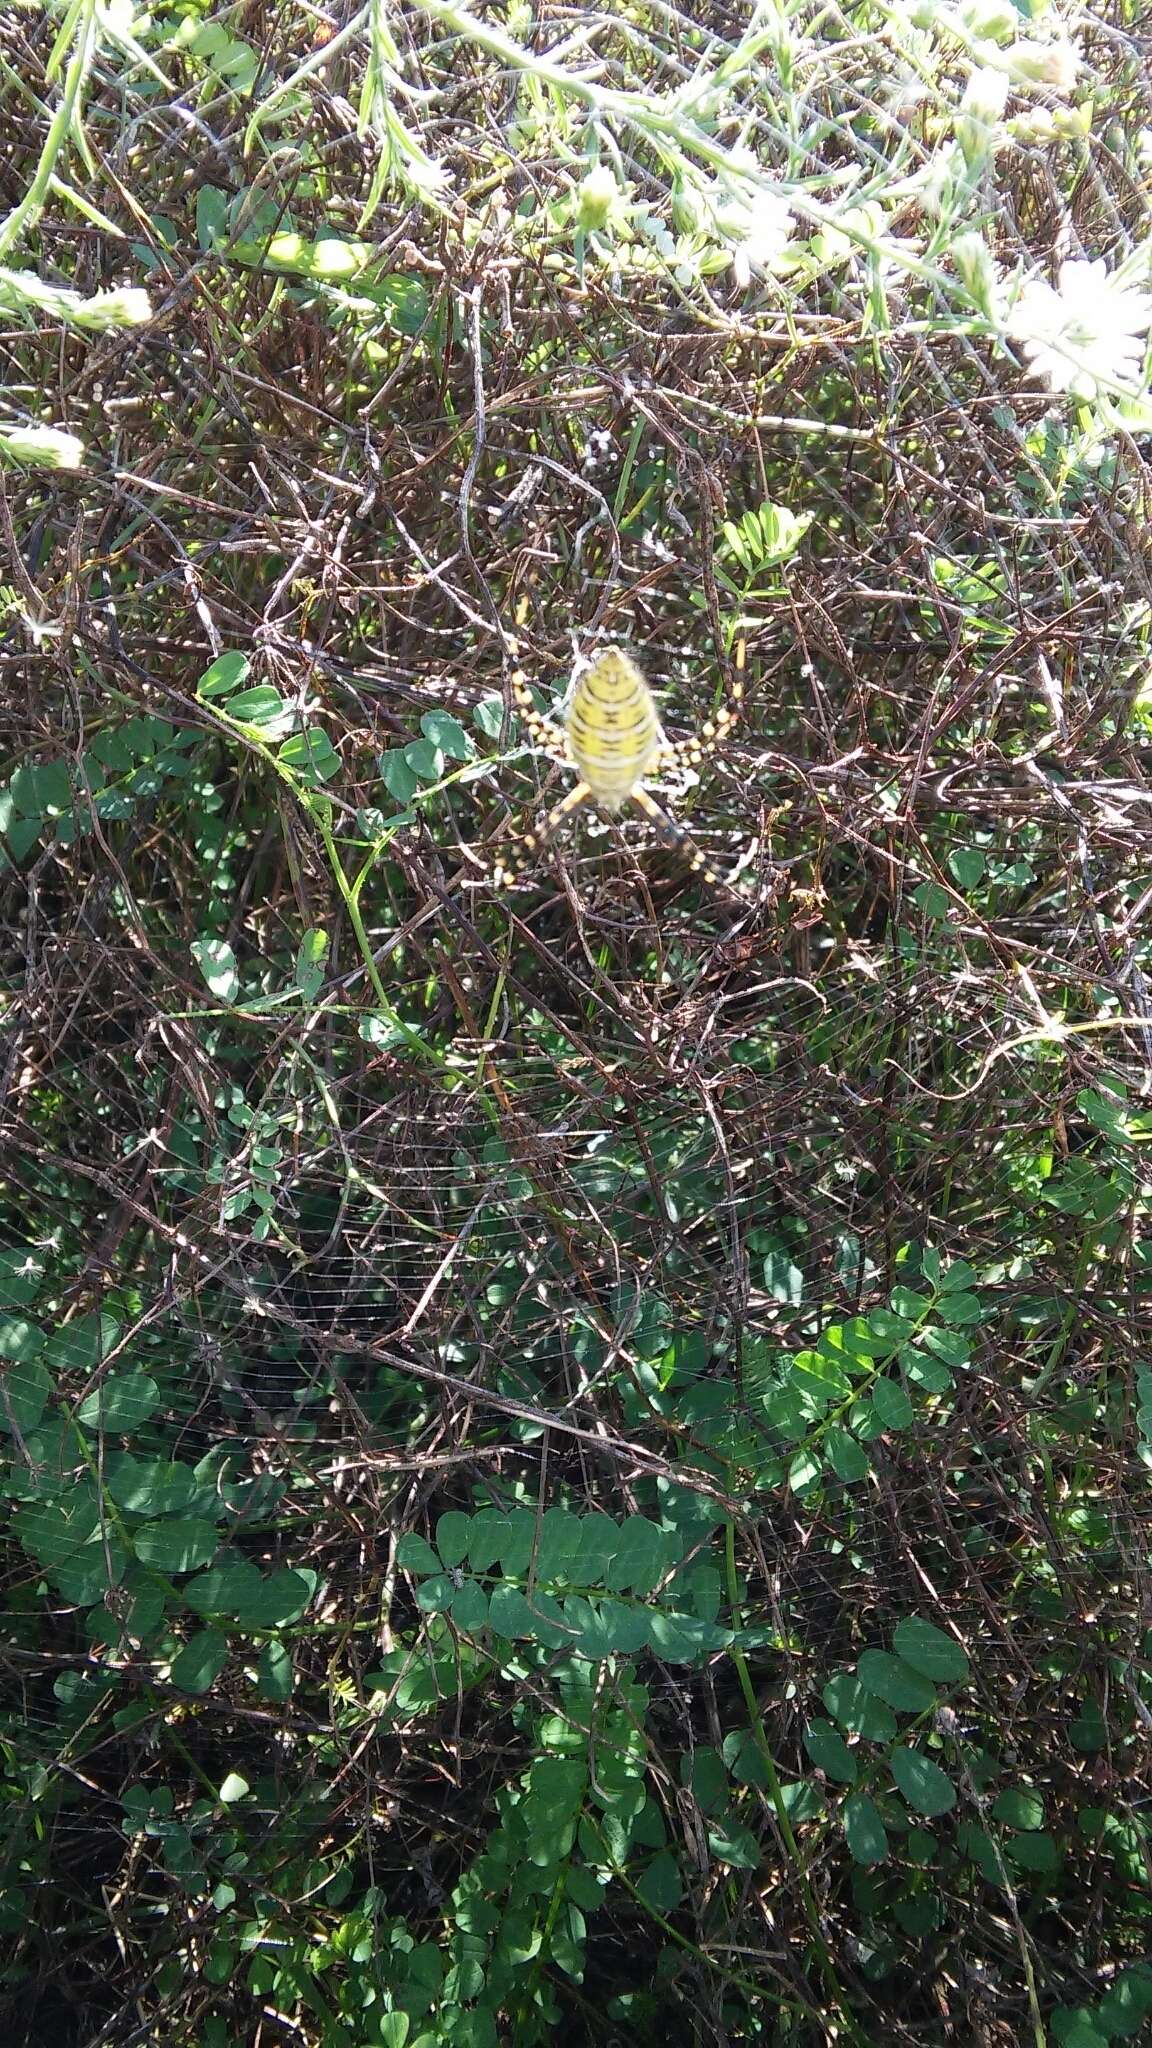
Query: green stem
<point x="25" y="213"/>
<point x="776" y="1790"/>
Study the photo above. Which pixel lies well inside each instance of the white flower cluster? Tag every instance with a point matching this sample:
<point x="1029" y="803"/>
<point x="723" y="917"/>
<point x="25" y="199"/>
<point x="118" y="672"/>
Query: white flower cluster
<point x="757" y="226"/>
<point x="1085" y="335"/>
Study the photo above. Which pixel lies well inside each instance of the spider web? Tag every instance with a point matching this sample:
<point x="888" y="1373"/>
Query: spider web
<point x="638" y="1149"/>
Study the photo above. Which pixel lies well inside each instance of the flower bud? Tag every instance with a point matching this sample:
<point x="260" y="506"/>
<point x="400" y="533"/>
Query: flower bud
<point x="977" y="272"/>
<point x="1036" y="125"/>
<point x="597" y="194"/>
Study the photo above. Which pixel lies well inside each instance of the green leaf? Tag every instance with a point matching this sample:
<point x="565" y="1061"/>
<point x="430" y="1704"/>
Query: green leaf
<point x="702" y="1771"/>
<point x="783" y="1279"/>
<point x="947" y="1344"/>
<point x="227" y="673"/>
<point x="641" y="1558"/>
<point x="1038" y="1853"/>
<point x="857" y="1710"/>
<point x="398" y="776"/>
<point x="274" y="1673"/>
<point x="447" y="734"/>
<point x="488" y="716"/>
<point x="200" y="1662"/>
<point x="416" y="1555"/>
<point x="277" y="1600"/>
<point x="55" y="1530"/>
<point x="311" y="957"/>
<point x="42" y="788"/>
<point x="681" y="1638"/>
<point x="176" y="1546"/>
<point x="929" y="1374"/>
<point x="24" y="1391"/>
<point x="211" y="217"/>
<point x="892" y="1405"/>
<point x="20" y="1339"/>
<point x="225" y="1590"/>
<point x="120" y="1403"/>
<point x="960" y="1308"/>
<point x="626" y="1629"/>
<point x="848" y="1459"/>
<point x="1073" y="2027"/>
<point x="382" y="1032"/>
<point x="560" y="1545"/>
<point x="735" y="1845"/>
<point x="469" y="1608"/>
<point x="864" y="1831"/>
<point x="262" y="705"/>
<point x="924" y="1785"/>
<point x="895" y="1682"/>
<point x="893" y="1328"/>
<point x="1129" y="2002"/>
<point x="425" y="760"/>
<point x="435" y="1594"/>
<point x="311" y="754"/>
<point x="805" y="1471"/>
<point x="21" y="835"/>
<point x="967" y="865"/>
<point x="744" y="1758"/>
<point x="1019" y="1807"/>
<point x="660" y="1884"/>
<point x="830" y="1753"/>
<point x="217" y="963"/>
<point x="928" y="1650"/>
<point x="452" y="1533"/>
<point x="934" y="901"/>
<point x="977" y="1845"/>
<point x="393" y="2029"/>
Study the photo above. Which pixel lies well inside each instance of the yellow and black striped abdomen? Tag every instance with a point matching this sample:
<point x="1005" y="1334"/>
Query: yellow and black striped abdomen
<point x="613" y="729"/>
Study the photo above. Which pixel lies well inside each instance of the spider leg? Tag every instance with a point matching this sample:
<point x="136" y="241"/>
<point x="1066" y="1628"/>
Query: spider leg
<point x="678" y="755"/>
<point x="675" y="835"/>
<point x="506" y="872"/>
<point x="545" y="731"/>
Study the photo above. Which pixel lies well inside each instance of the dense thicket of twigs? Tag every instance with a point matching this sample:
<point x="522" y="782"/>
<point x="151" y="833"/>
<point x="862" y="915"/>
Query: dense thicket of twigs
<point x="639" y="1144"/>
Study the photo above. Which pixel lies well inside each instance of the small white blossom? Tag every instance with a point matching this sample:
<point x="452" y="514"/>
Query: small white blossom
<point x="757" y="226"/>
<point x="44" y="447"/>
<point x="981" y="111"/>
<point x="835" y="245"/>
<point x="1088" y="332"/>
<point x="1034" y="126"/>
<point x="1055" y="65"/>
<point x="985" y="95"/>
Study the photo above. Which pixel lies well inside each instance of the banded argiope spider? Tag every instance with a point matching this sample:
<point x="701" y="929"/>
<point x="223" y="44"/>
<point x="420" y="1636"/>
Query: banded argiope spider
<point x="611" y="734"/>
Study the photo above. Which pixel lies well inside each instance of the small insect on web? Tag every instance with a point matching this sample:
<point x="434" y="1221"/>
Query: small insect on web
<point x="611" y="734"/>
